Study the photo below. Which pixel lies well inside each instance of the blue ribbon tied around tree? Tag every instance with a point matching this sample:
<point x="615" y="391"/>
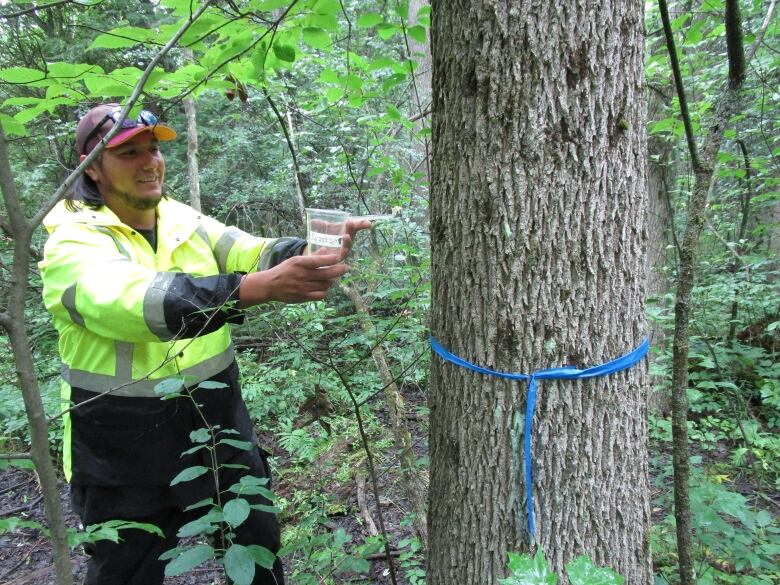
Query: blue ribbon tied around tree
<point x="562" y="373"/>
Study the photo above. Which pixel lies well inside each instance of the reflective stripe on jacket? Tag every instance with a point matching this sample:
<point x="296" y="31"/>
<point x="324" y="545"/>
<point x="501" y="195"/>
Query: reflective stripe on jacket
<point x="128" y="316"/>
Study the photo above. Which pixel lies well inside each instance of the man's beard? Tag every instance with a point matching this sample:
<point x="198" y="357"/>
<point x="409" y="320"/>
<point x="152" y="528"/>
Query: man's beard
<point x="139" y="203"/>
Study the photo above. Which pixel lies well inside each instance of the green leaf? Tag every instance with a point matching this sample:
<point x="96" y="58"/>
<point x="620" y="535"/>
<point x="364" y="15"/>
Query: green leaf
<point x="200" y="435"/>
<point x="201" y="27"/>
<point x="334" y="94"/>
<point x="192" y="450"/>
<point x="189" y="474"/>
<point x="678" y="22"/>
<point x="582" y="571"/>
<point x="239" y="565"/>
<point x="402" y="9"/>
<point x="243" y="445"/>
<point x="108" y="530"/>
<point x="19" y="463"/>
<point x="234" y="466"/>
<point x="169" y="386"/>
<point x="57" y="90"/>
<point x="418" y="33"/>
<point x="350" y="564"/>
<point x="197" y="528"/>
<point x="262" y="556"/>
<point x="236" y="511"/>
<point x="258" y="58"/>
<point x="327" y="7"/>
<point x="105" y="86"/>
<point x="693" y="35"/>
<point x="369" y="19"/>
<point x="329" y="76"/>
<point x="665" y="125"/>
<point x="529" y="571"/>
<point x="206" y="524"/>
<point x="14" y="523"/>
<point x="200" y="504"/>
<point x="393" y="113"/>
<point x="393" y="80"/>
<point x="21" y="75"/>
<point x="387" y="30"/>
<point x="380" y="63"/>
<point x="266" y="508"/>
<point x="189" y="559"/>
<point x="212" y="385"/>
<point x="251" y="480"/>
<point x="316" y="37"/>
<point x="22" y="101"/>
<point x="424" y="16"/>
<point x="354" y="82"/>
<point x="284" y="52"/>
<point x="12" y="127"/>
<point x="327" y="21"/>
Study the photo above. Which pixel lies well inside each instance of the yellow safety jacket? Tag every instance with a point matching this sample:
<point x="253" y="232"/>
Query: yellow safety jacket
<point x="129" y="317"/>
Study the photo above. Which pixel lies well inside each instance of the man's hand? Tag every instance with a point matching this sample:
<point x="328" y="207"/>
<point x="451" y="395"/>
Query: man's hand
<point x="296" y="280"/>
<point x="353" y="227"/>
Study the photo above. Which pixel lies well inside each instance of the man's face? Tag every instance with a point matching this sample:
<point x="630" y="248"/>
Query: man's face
<point x="130" y="176"/>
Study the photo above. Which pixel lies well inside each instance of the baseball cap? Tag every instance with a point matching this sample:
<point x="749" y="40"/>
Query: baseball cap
<point x="96" y="123"/>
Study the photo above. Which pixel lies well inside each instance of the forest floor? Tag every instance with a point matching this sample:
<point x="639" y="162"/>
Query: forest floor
<point x="25" y="554"/>
<point x="26" y="559"/>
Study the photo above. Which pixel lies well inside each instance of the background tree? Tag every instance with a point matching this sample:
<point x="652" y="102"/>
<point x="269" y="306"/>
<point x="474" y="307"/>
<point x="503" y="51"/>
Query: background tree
<point x="537" y="252"/>
<point x="703" y="161"/>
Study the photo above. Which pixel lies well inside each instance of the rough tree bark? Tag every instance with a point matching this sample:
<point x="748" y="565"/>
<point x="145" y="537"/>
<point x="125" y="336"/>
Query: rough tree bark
<point x="538" y="252"/>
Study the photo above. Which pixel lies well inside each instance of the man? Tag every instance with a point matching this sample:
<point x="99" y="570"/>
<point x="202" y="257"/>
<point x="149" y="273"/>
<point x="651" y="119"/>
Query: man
<point x="142" y="289"/>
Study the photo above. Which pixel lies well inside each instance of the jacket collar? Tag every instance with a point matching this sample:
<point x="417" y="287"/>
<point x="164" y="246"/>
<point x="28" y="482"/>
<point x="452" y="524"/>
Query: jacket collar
<point x="174" y="219"/>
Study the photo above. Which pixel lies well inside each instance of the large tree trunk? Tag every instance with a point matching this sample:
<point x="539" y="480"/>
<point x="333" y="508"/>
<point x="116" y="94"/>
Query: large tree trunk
<point x="538" y="252"/>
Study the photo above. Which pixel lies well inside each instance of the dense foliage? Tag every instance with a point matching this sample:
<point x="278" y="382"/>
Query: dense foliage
<point x="328" y="97"/>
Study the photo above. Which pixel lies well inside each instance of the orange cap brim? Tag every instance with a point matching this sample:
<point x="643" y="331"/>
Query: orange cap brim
<point x="161" y="132"/>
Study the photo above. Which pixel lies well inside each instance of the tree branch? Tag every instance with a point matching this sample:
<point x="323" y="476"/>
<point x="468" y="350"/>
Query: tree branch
<point x="761" y="32"/>
<point x="34" y="9"/>
<point x="79" y="170"/>
<point x="291" y="147"/>
<point x="678" y="82"/>
<point x="734" y="43"/>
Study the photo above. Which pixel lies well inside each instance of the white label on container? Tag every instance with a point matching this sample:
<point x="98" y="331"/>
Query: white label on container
<point x="329" y="240"/>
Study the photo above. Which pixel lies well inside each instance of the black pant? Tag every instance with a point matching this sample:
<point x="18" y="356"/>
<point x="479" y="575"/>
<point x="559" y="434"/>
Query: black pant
<point x="134" y="560"/>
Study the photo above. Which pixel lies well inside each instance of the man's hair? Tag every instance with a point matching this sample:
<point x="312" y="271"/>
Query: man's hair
<point x="84" y="192"/>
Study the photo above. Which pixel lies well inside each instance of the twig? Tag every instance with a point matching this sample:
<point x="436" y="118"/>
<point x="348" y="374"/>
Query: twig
<point x="43" y="7"/>
<point x="9" y="488"/>
<point x="27" y="506"/>
<point x="372" y="471"/>
<point x="380" y="556"/>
